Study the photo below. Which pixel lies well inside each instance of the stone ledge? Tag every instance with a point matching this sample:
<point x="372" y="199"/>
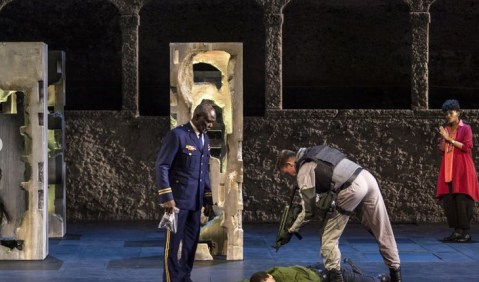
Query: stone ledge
<point x="361" y="113"/>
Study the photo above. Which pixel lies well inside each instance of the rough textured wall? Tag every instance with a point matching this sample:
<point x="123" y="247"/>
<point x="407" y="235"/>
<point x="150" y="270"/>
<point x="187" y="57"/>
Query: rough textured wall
<point x="361" y="45"/>
<point x="110" y="165"/>
<point x="110" y="160"/>
<point x="398" y="147"/>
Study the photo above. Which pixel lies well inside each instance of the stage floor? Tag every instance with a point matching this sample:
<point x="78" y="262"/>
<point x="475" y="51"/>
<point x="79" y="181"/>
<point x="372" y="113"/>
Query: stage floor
<point x="132" y="252"/>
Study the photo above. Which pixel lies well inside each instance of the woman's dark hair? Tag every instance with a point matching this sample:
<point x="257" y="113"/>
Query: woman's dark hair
<point x="451" y="105"/>
<point x="259" y="277"/>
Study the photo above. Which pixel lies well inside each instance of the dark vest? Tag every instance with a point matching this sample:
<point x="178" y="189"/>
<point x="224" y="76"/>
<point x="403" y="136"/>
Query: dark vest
<point x="326" y="159"/>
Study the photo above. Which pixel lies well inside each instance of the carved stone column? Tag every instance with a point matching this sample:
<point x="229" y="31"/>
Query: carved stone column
<point x="129" y="63"/>
<point x="273" y="65"/>
<point x="420" y="19"/>
<point x="419" y="59"/>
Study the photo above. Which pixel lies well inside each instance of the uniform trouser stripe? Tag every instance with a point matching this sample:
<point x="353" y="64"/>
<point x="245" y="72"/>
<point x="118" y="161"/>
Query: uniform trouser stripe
<point x="167" y="249"/>
<point x="188" y="233"/>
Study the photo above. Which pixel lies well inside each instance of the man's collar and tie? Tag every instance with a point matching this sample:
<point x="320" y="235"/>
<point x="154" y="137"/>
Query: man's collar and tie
<point x="201" y="137"/>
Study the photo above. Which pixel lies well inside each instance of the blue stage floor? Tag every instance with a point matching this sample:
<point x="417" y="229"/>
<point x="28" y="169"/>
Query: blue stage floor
<point x="132" y="252"/>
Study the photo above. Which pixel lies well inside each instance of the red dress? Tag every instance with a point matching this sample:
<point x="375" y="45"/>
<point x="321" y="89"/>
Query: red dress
<point x="464" y="176"/>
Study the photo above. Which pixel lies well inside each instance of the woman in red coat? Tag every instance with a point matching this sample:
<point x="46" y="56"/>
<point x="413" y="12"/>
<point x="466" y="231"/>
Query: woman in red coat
<point x="457" y="184"/>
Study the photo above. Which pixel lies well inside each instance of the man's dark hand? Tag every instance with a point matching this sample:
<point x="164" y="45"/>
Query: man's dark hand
<point x="208" y="210"/>
<point x="169" y="205"/>
<point x="284" y="237"/>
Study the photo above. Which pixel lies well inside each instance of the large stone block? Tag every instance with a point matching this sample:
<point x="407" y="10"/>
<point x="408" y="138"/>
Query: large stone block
<point x="24" y="187"/>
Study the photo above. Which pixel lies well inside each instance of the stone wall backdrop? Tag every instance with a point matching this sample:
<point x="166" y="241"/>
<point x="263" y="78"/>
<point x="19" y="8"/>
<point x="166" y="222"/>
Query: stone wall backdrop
<point x="398" y="147"/>
<point x="110" y="159"/>
<point x="110" y="165"/>
<point x="356" y="75"/>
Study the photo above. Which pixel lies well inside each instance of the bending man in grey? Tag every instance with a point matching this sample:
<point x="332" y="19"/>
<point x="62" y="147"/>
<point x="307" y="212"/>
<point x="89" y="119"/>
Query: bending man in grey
<point x="322" y="171"/>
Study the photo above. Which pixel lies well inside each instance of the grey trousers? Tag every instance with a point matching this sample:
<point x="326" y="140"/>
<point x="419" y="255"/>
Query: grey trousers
<point x="365" y="191"/>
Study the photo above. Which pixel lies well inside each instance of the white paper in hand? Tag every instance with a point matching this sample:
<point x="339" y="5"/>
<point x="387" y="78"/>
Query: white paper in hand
<point x="169" y="221"/>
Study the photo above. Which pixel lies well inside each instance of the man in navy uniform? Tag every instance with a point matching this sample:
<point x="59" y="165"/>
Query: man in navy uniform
<point x="182" y="176"/>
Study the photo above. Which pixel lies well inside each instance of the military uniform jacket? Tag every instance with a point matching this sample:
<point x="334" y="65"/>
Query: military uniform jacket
<point x="182" y="169"/>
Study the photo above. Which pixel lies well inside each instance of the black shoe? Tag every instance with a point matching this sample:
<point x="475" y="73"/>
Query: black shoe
<point x="335" y="275"/>
<point x="395" y="274"/>
<point x="453" y="237"/>
<point x="464" y="238"/>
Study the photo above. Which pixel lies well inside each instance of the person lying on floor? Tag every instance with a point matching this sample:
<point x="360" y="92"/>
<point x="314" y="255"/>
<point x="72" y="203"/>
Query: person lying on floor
<point x="314" y="273"/>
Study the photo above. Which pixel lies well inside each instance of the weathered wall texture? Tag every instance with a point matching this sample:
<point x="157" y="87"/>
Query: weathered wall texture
<point x="398" y="147"/>
<point x="110" y="159"/>
<point x="338" y="54"/>
<point x="110" y="165"/>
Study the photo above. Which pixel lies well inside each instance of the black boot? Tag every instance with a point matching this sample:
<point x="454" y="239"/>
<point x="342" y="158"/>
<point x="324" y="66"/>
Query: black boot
<point x="453" y="237"/>
<point x="464" y="238"/>
<point x="395" y="274"/>
<point x="335" y="275"/>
